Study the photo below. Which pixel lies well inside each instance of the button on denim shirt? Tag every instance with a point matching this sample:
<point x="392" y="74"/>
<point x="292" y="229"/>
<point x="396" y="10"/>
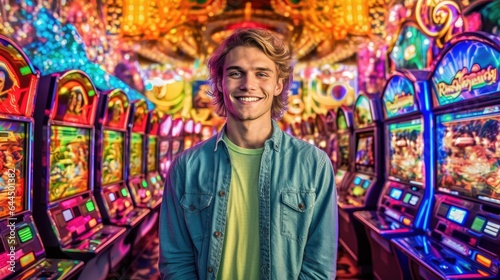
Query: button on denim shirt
<point x="297" y="211"/>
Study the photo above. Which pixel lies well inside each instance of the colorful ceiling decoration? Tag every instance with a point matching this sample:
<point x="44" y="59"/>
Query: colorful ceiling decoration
<point x="187" y="30"/>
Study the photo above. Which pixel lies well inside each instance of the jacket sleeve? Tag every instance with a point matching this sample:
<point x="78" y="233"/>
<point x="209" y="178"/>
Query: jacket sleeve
<point x="177" y="258"/>
<point x="320" y="254"/>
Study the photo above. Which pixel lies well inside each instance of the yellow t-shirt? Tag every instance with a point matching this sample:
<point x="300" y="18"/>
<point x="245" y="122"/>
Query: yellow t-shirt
<point x="241" y="249"/>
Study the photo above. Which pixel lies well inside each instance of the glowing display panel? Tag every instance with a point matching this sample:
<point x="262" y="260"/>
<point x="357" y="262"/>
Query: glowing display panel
<point x="456" y="214"/>
<point x="151" y="154"/>
<point x="468" y="70"/>
<point x="136" y="156"/>
<point x="12" y="167"/>
<point x="76" y="99"/>
<point x="399" y="97"/>
<point x="112" y="159"/>
<point x="468" y="159"/>
<point x="365" y="156"/>
<point x="17" y="80"/>
<point x="342" y="142"/>
<point x="396" y="193"/>
<point x="164" y="159"/>
<point x="117" y="110"/>
<point x="363" y="112"/>
<point x="69" y="161"/>
<point x="413" y="49"/>
<point x="405" y="148"/>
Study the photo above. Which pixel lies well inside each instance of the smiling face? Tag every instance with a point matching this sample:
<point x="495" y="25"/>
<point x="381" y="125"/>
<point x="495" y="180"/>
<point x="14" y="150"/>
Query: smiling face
<point x="249" y="83"/>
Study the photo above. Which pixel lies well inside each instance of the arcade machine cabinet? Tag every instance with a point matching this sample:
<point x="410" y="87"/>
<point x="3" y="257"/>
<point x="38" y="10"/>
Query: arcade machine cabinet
<point x="154" y="180"/>
<point x="70" y="221"/>
<point x="22" y="254"/>
<point x="320" y="136"/>
<point x="464" y="237"/>
<point x="177" y="138"/>
<point x="405" y="200"/>
<point x="165" y="143"/>
<point x="110" y="188"/>
<point x="308" y="129"/>
<point x="197" y="133"/>
<point x="136" y="167"/>
<point x="188" y="133"/>
<point x="341" y="151"/>
<point x="365" y="183"/>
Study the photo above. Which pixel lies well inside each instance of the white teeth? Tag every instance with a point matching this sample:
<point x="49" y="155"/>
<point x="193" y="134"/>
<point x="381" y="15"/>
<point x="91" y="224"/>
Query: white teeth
<point x="248" y="99"/>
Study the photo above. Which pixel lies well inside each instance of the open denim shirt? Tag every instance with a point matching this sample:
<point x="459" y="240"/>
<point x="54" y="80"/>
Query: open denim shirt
<point x="297" y="211"/>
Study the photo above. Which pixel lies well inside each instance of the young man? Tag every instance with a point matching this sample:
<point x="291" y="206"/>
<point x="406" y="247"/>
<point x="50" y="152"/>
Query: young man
<point x="251" y="202"/>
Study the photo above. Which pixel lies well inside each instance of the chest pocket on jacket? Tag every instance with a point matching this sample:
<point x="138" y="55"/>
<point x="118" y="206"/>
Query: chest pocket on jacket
<point x="296" y="213"/>
<point x="196" y="213"/>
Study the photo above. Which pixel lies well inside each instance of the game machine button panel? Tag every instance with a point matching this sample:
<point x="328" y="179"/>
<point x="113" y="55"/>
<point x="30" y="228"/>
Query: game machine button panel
<point x="22" y="253"/>
<point x="111" y="191"/>
<point x="463" y="240"/>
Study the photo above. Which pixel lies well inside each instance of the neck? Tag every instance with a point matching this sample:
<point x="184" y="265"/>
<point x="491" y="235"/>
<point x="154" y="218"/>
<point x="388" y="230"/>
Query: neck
<point x="249" y="135"/>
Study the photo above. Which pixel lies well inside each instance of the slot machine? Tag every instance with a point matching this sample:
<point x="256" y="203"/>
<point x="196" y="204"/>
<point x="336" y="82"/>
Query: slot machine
<point x="341" y="149"/>
<point x="331" y="136"/>
<point x="153" y="178"/>
<point x="138" y="186"/>
<point x="177" y="137"/>
<point x="22" y="254"/>
<point x="405" y="199"/>
<point x="320" y="135"/>
<point x="307" y="130"/>
<point x="188" y="133"/>
<point x="297" y="130"/>
<point x="197" y="133"/>
<point x="463" y="240"/>
<point x="70" y="220"/>
<point x="364" y="185"/>
<point x="136" y="166"/>
<point x="110" y="188"/>
<point x="165" y="139"/>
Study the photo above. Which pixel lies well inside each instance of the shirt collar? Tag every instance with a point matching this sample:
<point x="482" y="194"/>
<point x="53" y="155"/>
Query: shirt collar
<point x="275" y="139"/>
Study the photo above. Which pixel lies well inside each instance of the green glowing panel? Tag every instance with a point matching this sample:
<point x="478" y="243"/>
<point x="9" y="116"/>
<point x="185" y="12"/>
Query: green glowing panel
<point x="25" y="234"/>
<point x="90" y="206"/>
<point x="478" y="224"/>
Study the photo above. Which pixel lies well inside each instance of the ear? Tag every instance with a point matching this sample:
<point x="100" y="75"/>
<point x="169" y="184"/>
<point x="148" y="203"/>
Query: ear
<point x="279" y="87"/>
<point x="219" y="86"/>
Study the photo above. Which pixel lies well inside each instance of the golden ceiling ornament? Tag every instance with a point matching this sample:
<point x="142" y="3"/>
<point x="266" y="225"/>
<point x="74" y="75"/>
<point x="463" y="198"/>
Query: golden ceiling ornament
<point x="439" y="19"/>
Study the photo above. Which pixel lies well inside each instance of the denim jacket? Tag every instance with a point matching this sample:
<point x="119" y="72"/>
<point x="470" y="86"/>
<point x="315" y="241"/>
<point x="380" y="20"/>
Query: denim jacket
<point x="297" y="212"/>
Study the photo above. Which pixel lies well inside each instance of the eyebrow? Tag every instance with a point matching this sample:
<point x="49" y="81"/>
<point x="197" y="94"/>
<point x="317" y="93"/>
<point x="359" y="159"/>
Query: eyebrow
<point x="265" y="69"/>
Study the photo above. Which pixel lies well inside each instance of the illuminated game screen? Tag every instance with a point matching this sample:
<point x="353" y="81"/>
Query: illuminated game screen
<point x="405" y="148"/>
<point x="164" y="159"/>
<point x="456" y="214"/>
<point x="176" y="147"/>
<point x="69" y="161"/>
<point x="151" y="153"/>
<point x="468" y="160"/>
<point x="343" y="150"/>
<point x="112" y="159"/>
<point x="365" y="155"/>
<point x="12" y="167"/>
<point x="136" y="156"/>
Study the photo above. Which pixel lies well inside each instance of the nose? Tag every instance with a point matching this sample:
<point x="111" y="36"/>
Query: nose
<point x="248" y="83"/>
